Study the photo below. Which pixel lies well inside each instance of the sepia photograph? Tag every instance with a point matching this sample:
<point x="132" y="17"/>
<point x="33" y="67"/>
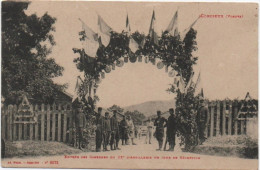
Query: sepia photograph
<point x="129" y="85"/>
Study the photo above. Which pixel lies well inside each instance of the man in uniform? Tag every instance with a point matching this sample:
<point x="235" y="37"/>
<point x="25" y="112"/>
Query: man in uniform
<point x="114" y="131"/>
<point x="149" y="133"/>
<point x="202" y="121"/>
<point x="171" y="129"/>
<point x="159" y="123"/>
<point x="106" y="131"/>
<point x="124" y="131"/>
<point x="99" y="129"/>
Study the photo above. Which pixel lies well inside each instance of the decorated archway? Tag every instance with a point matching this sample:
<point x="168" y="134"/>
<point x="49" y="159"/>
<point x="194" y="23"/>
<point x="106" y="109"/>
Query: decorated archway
<point x="173" y="50"/>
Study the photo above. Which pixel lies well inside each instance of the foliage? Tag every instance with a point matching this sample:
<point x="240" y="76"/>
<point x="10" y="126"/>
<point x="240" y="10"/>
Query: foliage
<point x="136" y="116"/>
<point x="117" y="108"/>
<point x="26" y="43"/>
<point x="171" y="50"/>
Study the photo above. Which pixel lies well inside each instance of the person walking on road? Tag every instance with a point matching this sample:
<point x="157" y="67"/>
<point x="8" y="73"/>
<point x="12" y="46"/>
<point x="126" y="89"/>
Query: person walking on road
<point x="149" y="133"/>
<point x="171" y="129"/>
<point x="99" y="129"/>
<point x="106" y="131"/>
<point x="131" y="128"/>
<point x="114" y="132"/>
<point x="124" y="131"/>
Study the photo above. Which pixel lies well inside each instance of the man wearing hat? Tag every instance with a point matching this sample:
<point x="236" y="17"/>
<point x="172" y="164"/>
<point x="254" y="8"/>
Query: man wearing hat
<point x="99" y="129"/>
<point x="159" y="123"/>
<point x="171" y="129"/>
<point x="114" y="131"/>
<point x="106" y="131"/>
<point x="202" y="120"/>
<point x="124" y="130"/>
<point x="80" y="121"/>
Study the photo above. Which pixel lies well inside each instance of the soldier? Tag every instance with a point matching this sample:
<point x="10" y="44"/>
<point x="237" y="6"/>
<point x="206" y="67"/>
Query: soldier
<point x="80" y="122"/>
<point x="149" y="133"/>
<point x="114" y="131"/>
<point x="106" y="131"/>
<point x="124" y="131"/>
<point x="202" y="121"/>
<point x="171" y="129"/>
<point x="99" y="129"/>
<point x="131" y="128"/>
<point x="160" y="123"/>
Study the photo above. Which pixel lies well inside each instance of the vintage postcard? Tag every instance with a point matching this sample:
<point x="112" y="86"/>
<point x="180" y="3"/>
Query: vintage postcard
<point x="129" y="85"/>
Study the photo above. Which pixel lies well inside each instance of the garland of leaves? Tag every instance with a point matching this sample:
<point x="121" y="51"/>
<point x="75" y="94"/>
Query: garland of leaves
<point x="171" y="50"/>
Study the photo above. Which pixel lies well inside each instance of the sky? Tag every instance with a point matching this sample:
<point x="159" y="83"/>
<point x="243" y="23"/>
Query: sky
<point x="227" y="47"/>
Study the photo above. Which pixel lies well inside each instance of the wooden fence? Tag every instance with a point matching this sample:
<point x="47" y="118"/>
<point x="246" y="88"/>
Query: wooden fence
<point x="50" y="123"/>
<point x="223" y="119"/>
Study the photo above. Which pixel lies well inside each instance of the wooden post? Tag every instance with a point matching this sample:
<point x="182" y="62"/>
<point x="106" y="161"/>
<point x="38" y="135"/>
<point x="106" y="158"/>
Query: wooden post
<point x="9" y="122"/>
<point x="242" y="127"/>
<point x="25" y="131"/>
<point x="59" y="123"/>
<point x="3" y="122"/>
<point x="13" y="127"/>
<point x="64" y="126"/>
<point x="36" y="125"/>
<point x="42" y="122"/>
<point x="48" y="123"/>
<point x="218" y="120"/>
<point x="212" y="120"/>
<point x="235" y="115"/>
<point x="14" y="124"/>
<point x="70" y="124"/>
<point x="230" y="119"/>
<point x="20" y="128"/>
<point x="224" y="118"/>
<point x="31" y="128"/>
<point x="53" y="122"/>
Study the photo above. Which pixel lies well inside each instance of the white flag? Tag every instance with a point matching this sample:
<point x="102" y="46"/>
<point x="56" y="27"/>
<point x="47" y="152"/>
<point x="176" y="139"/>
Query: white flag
<point x="183" y="33"/>
<point x="90" y="44"/>
<point x="104" y="31"/>
<point x="152" y="30"/>
<point x="133" y="45"/>
<point x="198" y="86"/>
<point x="173" y="25"/>
<point x="76" y="91"/>
<point x="189" y="83"/>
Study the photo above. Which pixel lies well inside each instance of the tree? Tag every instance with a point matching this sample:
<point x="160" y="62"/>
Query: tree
<point x="137" y="116"/>
<point x="115" y="107"/>
<point x="26" y="43"/>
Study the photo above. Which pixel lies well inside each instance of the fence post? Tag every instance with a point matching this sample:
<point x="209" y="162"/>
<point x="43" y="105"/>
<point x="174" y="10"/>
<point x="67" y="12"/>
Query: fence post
<point x="31" y="127"/>
<point x="59" y="123"/>
<point x="9" y="123"/>
<point x="42" y="122"/>
<point x="65" y="124"/>
<point x="230" y="119"/>
<point x="14" y="124"/>
<point x="235" y="117"/>
<point x="53" y="122"/>
<point x="212" y="120"/>
<point x="3" y="122"/>
<point x="70" y="124"/>
<point x="20" y="128"/>
<point x="37" y="123"/>
<point x="48" y="123"/>
<point x="224" y="118"/>
<point x="218" y="119"/>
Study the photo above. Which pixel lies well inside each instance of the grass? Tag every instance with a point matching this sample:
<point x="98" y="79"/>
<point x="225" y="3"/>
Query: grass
<point x="37" y="148"/>
<point x="236" y="146"/>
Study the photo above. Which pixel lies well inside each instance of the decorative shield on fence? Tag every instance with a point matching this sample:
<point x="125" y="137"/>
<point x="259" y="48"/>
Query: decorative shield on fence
<point x="160" y="65"/>
<point x="98" y="80"/>
<point x="119" y="63"/>
<point x="108" y="69"/>
<point x="126" y="59"/>
<point x="146" y="60"/>
<point x="166" y="69"/>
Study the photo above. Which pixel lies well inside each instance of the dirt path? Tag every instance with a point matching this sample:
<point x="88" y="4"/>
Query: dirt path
<point x="137" y="156"/>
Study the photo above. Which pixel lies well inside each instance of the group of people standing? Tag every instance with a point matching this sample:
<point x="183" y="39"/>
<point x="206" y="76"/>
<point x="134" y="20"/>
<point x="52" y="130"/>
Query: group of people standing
<point x="109" y="130"/>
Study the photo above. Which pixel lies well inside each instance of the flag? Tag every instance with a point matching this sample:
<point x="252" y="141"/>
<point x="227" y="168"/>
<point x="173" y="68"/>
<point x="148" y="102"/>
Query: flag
<point x="181" y="85"/>
<point x="189" y="83"/>
<point x="128" y="28"/>
<point x="198" y="87"/>
<point x="173" y="25"/>
<point x="76" y="91"/>
<point x="133" y="45"/>
<point x="104" y="31"/>
<point x="183" y="34"/>
<point x="90" y="44"/>
<point x="152" y="30"/>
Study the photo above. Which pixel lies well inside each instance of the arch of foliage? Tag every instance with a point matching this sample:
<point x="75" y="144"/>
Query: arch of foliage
<point x="171" y="50"/>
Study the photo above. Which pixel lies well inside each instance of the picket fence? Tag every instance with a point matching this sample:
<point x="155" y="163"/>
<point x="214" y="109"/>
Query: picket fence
<point x="223" y="119"/>
<point x="50" y="123"/>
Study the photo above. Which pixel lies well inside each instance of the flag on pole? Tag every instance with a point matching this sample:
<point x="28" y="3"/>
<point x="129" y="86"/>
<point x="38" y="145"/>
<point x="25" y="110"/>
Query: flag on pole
<point x="133" y="45"/>
<point x="183" y="34"/>
<point x="104" y="31"/>
<point x="76" y="91"/>
<point x="198" y="87"/>
<point x="189" y="83"/>
<point x="90" y="44"/>
<point x="173" y="25"/>
<point x="152" y="30"/>
<point x="181" y="84"/>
